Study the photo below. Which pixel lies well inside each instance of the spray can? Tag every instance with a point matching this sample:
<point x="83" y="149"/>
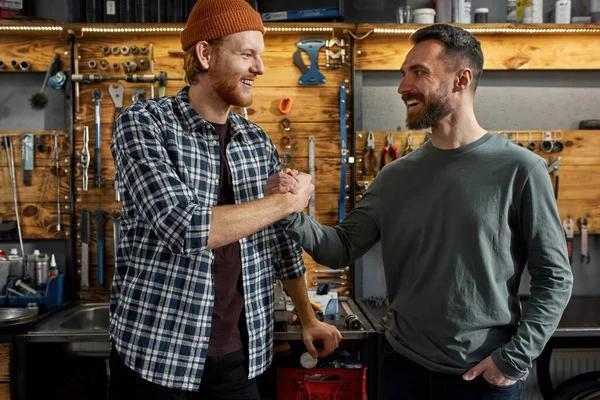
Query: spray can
<point x="461" y="11"/>
<point x="511" y="11"/>
<point x="41" y="272"/>
<point x="562" y="12"/>
<point x="53" y="270"/>
<point x="15" y="267"/>
<point x="443" y="11"/>
<point x="537" y="11"/>
<point x="30" y="266"/>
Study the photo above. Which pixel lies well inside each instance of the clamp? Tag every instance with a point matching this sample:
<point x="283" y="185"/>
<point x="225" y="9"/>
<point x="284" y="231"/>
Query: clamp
<point x="390" y="149"/>
<point x="85" y="157"/>
<point x="285" y="105"/>
<point x="286" y="158"/>
<point x="286" y="124"/>
<point x="409" y="148"/>
<point x="583" y="228"/>
<point x="553" y="169"/>
<point x="312" y="75"/>
<point x="286" y="141"/>
<point x="370" y="151"/>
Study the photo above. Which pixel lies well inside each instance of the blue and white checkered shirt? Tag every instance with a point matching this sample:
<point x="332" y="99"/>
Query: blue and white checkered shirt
<point x="167" y="162"/>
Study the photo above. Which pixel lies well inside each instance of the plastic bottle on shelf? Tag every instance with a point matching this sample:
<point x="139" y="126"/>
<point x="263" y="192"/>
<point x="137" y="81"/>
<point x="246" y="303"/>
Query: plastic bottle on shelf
<point x="30" y="265"/>
<point x="443" y="11"/>
<point x="53" y="270"/>
<point x="511" y="11"/>
<point x="461" y="11"/>
<point x="15" y="267"/>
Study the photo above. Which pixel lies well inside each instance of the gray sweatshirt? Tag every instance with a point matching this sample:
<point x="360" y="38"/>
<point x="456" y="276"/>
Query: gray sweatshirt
<point x="457" y="228"/>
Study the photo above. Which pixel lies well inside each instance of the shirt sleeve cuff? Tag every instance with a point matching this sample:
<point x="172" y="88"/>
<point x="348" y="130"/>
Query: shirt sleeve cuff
<point x="507" y="366"/>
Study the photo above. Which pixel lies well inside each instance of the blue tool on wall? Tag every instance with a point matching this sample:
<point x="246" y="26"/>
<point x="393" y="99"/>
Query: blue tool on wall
<point x="312" y="75"/>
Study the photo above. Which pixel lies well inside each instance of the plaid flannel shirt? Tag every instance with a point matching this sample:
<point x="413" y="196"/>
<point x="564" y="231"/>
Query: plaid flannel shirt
<point x="167" y="162"/>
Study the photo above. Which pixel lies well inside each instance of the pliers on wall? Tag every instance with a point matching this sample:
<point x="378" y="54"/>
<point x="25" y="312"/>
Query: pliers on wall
<point x="370" y="151"/>
<point x="390" y="149"/>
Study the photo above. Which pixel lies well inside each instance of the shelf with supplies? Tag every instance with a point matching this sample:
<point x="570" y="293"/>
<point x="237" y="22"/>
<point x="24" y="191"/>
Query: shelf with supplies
<point x="505" y="46"/>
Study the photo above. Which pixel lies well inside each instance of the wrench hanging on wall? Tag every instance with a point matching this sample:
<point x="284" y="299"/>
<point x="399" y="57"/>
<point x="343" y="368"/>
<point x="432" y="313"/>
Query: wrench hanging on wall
<point x="343" y="153"/>
<point x="57" y="180"/>
<point x="10" y="159"/>
<point x="85" y="242"/>
<point x="311" y="168"/>
<point x="100" y="220"/>
<point x="27" y="140"/>
<point x="85" y="158"/>
<point x="115" y="216"/>
<point x="97" y="144"/>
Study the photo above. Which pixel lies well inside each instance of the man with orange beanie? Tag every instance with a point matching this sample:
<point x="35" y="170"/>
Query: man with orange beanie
<point x="192" y="295"/>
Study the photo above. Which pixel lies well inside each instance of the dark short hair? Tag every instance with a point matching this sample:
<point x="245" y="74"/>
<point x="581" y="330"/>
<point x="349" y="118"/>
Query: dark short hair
<point x="461" y="47"/>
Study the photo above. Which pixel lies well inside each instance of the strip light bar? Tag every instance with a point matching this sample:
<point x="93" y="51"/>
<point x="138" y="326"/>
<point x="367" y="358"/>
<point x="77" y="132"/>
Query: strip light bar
<point x="30" y="28"/>
<point x="130" y="30"/>
<point x="498" y="30"/>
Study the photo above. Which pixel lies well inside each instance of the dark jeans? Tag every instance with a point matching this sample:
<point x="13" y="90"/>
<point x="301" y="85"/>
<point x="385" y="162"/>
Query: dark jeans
<point x="224" y="378"/>
<point x="401" y="378"/>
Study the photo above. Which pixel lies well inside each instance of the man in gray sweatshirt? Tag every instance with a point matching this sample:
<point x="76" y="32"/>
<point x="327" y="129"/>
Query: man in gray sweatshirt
<point x="458" y="220"/>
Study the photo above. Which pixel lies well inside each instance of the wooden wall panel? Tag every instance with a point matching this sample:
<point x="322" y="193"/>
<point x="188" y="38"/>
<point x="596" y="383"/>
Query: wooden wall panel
<point x="5" y="363"/>
<point x="39" y="52"/>
<point x="44" y="174"/>
<point x="579" y="181"/>
<point x="315" y="111"/>
<point x="502" y="51"/>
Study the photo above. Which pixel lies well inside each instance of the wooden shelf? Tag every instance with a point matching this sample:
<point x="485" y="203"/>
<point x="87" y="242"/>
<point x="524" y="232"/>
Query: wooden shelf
<point x="16" y="27"/>
<point x="505" y="46"/>
<point x="485" y="29"/>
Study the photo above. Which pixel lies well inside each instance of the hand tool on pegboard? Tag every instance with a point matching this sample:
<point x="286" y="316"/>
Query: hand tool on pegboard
<point x="39" y="100"/>
<point x="85" y="158"/>
<point x="343" y="153"/>
<point x="409" y="147"/>
<point x="27" y="157"/>
<point x="312" y="171"/>
<point x="331" y="271"/>
<point x="56" y="155"/>
<point x="390" y="150"/>
<point x="52" y="164"/>
<point x="100" y="220"/>
<point x="10" y="159"/>
<point x="116" y="94"/>
<point x="351" y="319"/>
<point x="583" y="228"/>
<point x="97" y="94"/>
<point x="312" y="75"/>
<point x="335" y="55"/>
<point x="568" y="226"/>
<point x="138" y="94"/>
<point x="370" y="152"/>
<point x="115" y="216"/>
<point x="553" y="165"/>
<point x="285" y="105"/>
<point x="85" y="252"/>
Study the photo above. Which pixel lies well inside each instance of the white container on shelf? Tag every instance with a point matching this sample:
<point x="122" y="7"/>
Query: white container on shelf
<point x="443" y="11"/>
<point x="461" y="11"/>
<point x="537" y="11"/>
<point x="424" y="16"/>
<point x="562" y="12"/>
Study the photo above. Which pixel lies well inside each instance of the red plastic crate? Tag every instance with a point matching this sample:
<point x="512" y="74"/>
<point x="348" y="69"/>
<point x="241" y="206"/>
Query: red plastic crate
<point x="292" y="384"/>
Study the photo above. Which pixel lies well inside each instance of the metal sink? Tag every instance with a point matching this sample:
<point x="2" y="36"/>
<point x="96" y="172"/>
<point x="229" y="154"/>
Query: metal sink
<point x="90" y="316"/>
<point x="81" y="330"/>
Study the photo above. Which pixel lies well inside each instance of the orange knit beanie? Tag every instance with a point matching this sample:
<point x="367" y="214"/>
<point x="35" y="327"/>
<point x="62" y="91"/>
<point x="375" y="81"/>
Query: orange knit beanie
<point x="212" y="19"/>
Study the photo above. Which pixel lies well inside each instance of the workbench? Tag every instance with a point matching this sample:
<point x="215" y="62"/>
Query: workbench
<point x="579" y="327"/>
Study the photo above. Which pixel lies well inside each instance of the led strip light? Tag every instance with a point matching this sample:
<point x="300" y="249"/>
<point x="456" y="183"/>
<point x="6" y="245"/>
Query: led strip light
<point x="497" y="30"/>
<point x="30" y="28"/>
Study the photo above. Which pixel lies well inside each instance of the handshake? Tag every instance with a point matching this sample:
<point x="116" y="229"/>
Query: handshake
<point x="297" y="187"/>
